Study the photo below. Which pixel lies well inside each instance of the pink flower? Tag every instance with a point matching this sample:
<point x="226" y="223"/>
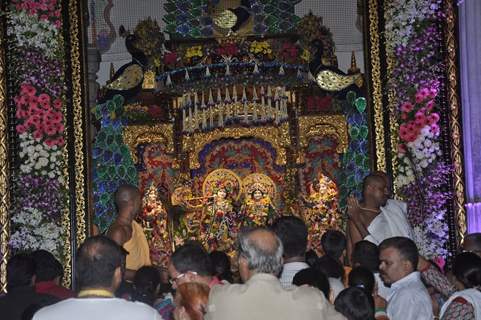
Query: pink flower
<point x="401" y="148"/>
<point x="430" y="105"/>
<point x="60" y="128"/>
<point x="404" y="116"/>
<point x="403" y="132"/>
<point x="20" y="128"/>
<point x="60" y="141"/>
<point x="57" y="103"/>
<point x="37" y="134"/>
<point x="58" y="24"/>
<point x="419" y="98"/>
<point x="20" y="100"/>
<point x="20" y="114"/>
<point x="27" y="90"/>
<point x="433" y="118"/>
<point x="50" y="130"/>
<point x="433" y="92"/>
<point x="43" y="97"/>
<point x="434" y="129"/>
<point x="407" y="107"/>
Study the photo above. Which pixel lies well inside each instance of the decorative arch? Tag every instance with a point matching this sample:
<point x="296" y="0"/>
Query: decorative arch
<point x="143" y="134"/>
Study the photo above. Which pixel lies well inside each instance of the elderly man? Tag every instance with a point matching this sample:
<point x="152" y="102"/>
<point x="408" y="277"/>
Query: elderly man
<point x="262" y="297"/>
<point x="409" y="298"/>
<point x="127" y="232"/>
<point x="100" y="266"/>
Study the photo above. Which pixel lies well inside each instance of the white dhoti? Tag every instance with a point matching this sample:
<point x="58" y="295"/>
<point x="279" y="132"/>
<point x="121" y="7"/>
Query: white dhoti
<point x="391" y="222"/>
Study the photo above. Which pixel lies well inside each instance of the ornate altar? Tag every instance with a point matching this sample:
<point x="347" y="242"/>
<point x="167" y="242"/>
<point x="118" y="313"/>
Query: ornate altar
<point x="237" y="126"/>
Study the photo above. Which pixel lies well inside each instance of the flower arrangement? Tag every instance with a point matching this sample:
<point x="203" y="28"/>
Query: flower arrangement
<point x="260" y="47"/>
<point x="229" y="49"/>
<point x="193" y="52"/>
<point x="289" y="51"/>
<point x="413" y="39"/>
<point x="37" y="56"/>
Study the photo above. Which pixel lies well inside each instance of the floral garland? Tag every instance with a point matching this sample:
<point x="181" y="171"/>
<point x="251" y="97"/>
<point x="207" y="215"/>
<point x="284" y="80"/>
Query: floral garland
<point x="34" y="29"/>
<point x="414" y="39"/>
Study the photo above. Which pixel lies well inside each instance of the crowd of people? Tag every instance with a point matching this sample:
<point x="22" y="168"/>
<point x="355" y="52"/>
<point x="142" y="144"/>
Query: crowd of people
<point x="362" y="275"/>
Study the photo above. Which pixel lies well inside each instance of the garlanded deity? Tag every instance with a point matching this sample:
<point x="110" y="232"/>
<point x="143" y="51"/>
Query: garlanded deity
<point x="155" y="222"/>
<point x="218" y="224"/>
<point x="258" y="209"/>
<point x="320" y="209"/>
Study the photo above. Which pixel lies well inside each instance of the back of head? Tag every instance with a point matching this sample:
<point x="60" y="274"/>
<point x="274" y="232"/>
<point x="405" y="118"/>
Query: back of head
<point x="406" y="248"/>
<point x="193" y="297"/>
<point x="311" y="257"/>
<point x="330" y="267"/>
<point x="293" y="233"/>
<point x="125" y="194"/>
<point x="192" y="257"/>
<point x="360" y="277"/>
<point x="314" y="278"/>
<point x="97" y="259"/>
<point x="472" y="243"/>
<point x="221" y="265"/>
<point x="467" y="269"/>
<point x="262" y="249"/>
<point x="47" y="268"/>
<point x="20" y="271"/>
<point x="366" y="254"/>
<point x="334" y="243"/>
<point x="146" y="284"/>
<point x="355" y="304"/>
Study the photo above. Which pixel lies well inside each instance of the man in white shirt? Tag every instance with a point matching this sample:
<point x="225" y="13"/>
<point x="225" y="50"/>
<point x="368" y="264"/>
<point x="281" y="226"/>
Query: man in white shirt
<point x="293" y="234"/>
<point x="100" y="265"/>
<point x="409" y="298"/>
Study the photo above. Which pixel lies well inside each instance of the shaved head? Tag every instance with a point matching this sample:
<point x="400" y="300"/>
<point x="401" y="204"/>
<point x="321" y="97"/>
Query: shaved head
<point x="127" y="200"/>
<point x="372" y="179"/>
<point x="375" y="190"/>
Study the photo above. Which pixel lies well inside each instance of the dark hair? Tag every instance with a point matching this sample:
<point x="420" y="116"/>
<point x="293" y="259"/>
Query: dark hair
<point x="192" y="257"/>
<point x="330" y="267"/>
<point x="363" y="278"/>
<point x="355" y="304"/>
<point x="20" y="271"/>
<point x="333" y="243"/>
<point x="47" y="268"/>
<point x="406" y="247"/>
<point x="221" y="265"/>
<point x="467" y="269"/>
<point x="97" y="259"/>
<point x="311" y="257"/>
<point x="314" y="278"/>
<point x="366" y="254"/>
<point x="146" y="283"/>
<point x="293" y="234"/>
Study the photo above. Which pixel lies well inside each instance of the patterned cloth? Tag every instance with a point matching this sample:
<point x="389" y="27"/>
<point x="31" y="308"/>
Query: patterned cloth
<point x="432" y="277"/>
<point x="459" y="309"/>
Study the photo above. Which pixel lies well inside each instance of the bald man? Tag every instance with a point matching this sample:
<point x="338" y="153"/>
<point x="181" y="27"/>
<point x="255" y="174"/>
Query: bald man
<point x="127" y="232"/>
<point x="261" y="296"/>
<point x="377" y="217"/>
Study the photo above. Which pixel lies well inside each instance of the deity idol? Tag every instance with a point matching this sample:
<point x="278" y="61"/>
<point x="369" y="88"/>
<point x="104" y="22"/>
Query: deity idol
<point x="319" y="209"/>
<point x="218" y="223"/>
<point x="258" y="209"/>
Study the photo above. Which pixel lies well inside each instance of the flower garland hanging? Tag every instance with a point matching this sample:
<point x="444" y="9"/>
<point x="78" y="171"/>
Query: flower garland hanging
<point x="34" y="28"/>
<point x="414" y="41"/>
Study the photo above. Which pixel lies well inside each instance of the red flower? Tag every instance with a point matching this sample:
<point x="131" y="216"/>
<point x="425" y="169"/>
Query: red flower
<point x="60" y="128"/>
<point x="170" y="58"/>
<point x="37" y="134"/>
<point x="60" y="141"/>
<point x="407" y="107"/>
<point x="43" y="97"/>
<point x="57" y="103"/>
<point x="433" y="118"/>
<point x="430" y="105"/>
<point x="20" y="128"/>
<point x="50" y="130"/>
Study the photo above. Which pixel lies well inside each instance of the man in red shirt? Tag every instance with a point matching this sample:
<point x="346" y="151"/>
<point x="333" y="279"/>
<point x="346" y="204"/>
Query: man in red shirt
<point x="49" y="272"/>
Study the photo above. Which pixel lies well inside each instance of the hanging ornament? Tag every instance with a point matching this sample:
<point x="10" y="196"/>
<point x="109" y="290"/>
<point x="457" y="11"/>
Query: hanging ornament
<point x="310" y="77"/>
<point x="244" y="102"/>
<point x="219" y="96"/>
<point x="281" y="71"/>
<point x="204" y="120"/>
<point x="183" y="120"/>
<point x="234" y="94"/>
<point x="202" y="104"/>
<point x="255" y="98"/>
<point x="227" y="95"/>
<point x="221" y="117"/>
<point x="299" y="73"/>
<point x="207" y="72"/>
<point x="211" y="98"/>
<point x="211" y="118"/>
<point x="187" y="77"/>
<point x="227" y="70"/>
<point x="168" y="81"/>
<point x="256" y="69"/>
<point x="190" y="128"/>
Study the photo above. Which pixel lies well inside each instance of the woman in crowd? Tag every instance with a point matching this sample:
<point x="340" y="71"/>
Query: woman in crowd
<point x="355" y="304"/>
<point x="466" y="303"/>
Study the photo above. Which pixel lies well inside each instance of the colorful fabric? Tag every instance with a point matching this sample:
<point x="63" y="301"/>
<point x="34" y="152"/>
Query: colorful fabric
<point x="138" y="249"/>
<point x="459" y="309"/>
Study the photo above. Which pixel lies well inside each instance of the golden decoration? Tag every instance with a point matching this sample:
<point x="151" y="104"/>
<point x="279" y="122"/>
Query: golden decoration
<point x="321" y="126"/>
<point x="129" y="79"/>
<point x="393" y="126"/>
<point x="225" y="19"/>
<point x="80" y="120"/>
<point x="222" y="178"/>
<point x="376" y="90"/>
<point x="159" y="133"/>
<point x="149" y="80"/>
<point x="259" y="181"/>
<point x="454" y="122"/>
<point x="4" y="168"/>
<point x="332" y="81"/>
<point x="278" y="137"/>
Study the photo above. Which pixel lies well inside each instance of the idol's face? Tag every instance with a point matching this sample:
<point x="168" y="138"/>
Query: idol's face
<point x="221" y="194"/>
<point x="257" y="195"/>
